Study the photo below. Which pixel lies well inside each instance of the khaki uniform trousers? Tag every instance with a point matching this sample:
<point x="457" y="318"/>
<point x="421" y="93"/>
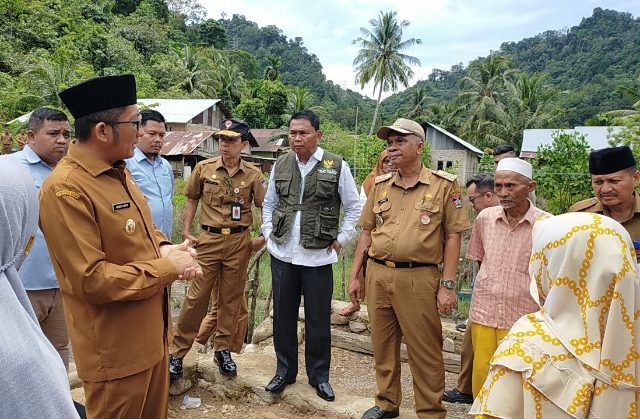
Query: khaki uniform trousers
<point x="223" y="259"/>
<point x="402" y="302"/>
<point x="6" y="149"/>
<point x="465" y="377"/>
<point x="49" y="309"/>
<point x="144" y="395"/>
<point x="210" y="324"/>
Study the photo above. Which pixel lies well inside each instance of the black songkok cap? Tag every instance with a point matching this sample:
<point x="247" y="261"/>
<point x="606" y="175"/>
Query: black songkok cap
<point x="610" y="160"/>
<point x="233" y="127"/>
<point x="99" y="94"/>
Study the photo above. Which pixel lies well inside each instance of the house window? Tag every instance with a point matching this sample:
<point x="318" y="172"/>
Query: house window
<point x="440" y="164"/>
<point x="449" y="164"/>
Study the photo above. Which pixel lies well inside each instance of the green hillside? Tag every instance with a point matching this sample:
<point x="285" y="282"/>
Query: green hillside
<point x="564" y="77"/>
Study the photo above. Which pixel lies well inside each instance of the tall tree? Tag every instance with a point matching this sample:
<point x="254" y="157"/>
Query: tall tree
<point x="417" y="105"/>
<point x="480" y="92"/>
<point x="272" y="72"/>
<point x="381" y="58"/>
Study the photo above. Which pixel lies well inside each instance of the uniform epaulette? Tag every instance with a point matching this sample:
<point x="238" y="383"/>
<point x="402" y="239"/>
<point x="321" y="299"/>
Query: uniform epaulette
<point x="384" y="177"/>
<point x="583" y="205"/>
<point x="449" y="176"/>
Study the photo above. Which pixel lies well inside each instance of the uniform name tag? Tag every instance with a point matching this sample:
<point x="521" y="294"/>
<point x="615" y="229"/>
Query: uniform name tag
<point x="121" y="205"/>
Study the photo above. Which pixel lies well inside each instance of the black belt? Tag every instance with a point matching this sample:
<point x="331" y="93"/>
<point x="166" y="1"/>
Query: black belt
<point x="223" y="231"/>
<point x="401" y="265"/>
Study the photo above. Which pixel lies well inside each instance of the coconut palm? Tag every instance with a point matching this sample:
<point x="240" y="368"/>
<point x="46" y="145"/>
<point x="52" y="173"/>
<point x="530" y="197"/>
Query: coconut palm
<point x="527" y="103"/>
<point x="381" y="57"/>
<point x="623" y="116"/>
<point x="52" y="77"/>
<point x="299" y="98"/>
<point x="417" y="105"/>
<point x="480" y="92"/>
<point x="272" y="72"/>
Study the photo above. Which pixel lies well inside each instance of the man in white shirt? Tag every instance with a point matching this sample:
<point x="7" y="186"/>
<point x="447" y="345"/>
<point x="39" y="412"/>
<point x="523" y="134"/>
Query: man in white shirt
<point x="301" y="213"/>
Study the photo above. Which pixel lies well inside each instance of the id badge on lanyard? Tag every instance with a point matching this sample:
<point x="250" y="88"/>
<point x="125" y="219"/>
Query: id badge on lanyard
<point x="236" y="211"/>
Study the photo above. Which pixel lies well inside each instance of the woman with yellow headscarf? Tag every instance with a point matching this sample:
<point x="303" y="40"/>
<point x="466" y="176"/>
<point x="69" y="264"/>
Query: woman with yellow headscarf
<point x="577" y="357"/>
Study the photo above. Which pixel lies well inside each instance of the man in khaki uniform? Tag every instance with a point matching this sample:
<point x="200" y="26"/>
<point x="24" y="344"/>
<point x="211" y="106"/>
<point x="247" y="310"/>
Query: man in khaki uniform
<point x="412" y="221"/>
<point x="614" y="177"/>
<point x="226" y="185"/>
<point x="6" y="140"/>
<point x="112" y="264"/>
<point x="22" y="139"/>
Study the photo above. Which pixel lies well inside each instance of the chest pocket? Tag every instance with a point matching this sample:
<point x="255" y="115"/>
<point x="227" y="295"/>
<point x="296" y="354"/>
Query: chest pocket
<point x="211" y="192"/>
<point x="326" y="185"/>
<point x="283" y="183"/>
<point x="429" y="215"/>
<point x="381" y="212"/>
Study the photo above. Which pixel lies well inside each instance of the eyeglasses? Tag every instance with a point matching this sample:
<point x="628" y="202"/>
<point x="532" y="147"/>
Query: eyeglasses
<point x="137" y="122"/>
<point x="473" y="198"/>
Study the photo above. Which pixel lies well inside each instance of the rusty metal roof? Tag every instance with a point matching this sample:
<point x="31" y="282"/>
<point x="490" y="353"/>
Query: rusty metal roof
<point x="262" y="137"/>
<point x="177" y="143"/>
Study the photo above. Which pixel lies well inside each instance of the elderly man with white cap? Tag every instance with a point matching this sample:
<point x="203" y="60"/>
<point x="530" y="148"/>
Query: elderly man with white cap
<point x="501" y="243"/>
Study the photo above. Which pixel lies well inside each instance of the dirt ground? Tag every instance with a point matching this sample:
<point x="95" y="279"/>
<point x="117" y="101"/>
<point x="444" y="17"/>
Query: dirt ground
<point x="349" y="370"/>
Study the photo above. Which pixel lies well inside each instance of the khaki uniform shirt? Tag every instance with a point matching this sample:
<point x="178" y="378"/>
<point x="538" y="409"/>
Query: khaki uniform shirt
<point x="632" y="225"/>
<point x="6" y="140"/>
<point x="410" y="225"/>
<point x="105" y="252"/>
<point x="22" y="140"/>
<point x="211" y="183"/>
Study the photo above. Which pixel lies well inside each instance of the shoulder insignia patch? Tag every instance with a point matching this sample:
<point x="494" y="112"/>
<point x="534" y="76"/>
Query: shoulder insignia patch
<point x="384" y="177"/>
<point x="65" y="192"/>
<point x="450" y="177"/>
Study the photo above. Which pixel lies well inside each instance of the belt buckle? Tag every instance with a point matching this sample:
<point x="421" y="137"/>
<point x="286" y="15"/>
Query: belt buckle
<point x="389" y="264"/>
<point x="225" y="231"/>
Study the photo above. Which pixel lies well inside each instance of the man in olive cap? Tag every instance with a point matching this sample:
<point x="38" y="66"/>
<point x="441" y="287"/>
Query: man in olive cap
<point x="226" y="185"/>
<point x="614" y="177"/>
<point x="113" y="265"/>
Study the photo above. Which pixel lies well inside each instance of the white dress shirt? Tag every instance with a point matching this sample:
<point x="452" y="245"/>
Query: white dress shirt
<point x="291" y="251"/>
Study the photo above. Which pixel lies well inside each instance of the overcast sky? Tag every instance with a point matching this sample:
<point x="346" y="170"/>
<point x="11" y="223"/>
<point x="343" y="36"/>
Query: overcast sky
<point x="452" y="31"/>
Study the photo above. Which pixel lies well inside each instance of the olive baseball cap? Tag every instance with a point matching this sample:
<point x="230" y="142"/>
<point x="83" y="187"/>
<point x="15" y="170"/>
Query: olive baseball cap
<point x="403" y="126"/>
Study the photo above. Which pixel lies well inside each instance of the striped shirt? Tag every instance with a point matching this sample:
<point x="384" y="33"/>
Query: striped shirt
<point x="501" y="291"/>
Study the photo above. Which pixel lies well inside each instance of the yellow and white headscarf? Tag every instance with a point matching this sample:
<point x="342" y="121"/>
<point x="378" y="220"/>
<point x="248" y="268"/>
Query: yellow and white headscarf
<point x="577" y="357"/>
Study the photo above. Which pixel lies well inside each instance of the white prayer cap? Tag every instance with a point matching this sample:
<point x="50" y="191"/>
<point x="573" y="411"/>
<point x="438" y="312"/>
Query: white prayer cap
<point x="513" y="164"/>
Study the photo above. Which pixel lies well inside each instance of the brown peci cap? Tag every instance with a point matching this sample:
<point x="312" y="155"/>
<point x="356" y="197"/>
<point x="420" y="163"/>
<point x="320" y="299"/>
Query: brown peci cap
<point x="403" y="126"/>
<point x="99" y="94"/>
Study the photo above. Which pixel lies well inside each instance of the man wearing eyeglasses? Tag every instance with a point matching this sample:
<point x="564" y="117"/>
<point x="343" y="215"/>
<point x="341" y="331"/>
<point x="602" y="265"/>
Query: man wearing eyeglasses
<point x="480" y="195"/>
<point x="226" y="185"/>
<point x="113" y="265"/>
<point x="152" y="172"/>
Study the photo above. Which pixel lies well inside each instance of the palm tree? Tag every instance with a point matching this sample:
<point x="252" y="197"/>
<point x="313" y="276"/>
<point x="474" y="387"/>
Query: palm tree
<point x="445" y="115"/>
<point x="272" y="72"/>
<point x="527" y="103"/>
<point x="623" y="116"/>
<point x="198" y="79"/>
<point x="53" y="76"/>
<point x="381" y="58"/>
<point x="480" y="92"/>
<point x="417" y="110"/>
<point x="299" y="98"/>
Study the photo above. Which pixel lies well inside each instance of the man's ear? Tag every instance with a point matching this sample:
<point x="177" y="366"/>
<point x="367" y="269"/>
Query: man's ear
<point x="101" y="131"/>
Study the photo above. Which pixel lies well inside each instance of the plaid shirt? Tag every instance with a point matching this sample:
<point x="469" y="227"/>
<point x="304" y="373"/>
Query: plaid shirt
<point x="501" y="291"/>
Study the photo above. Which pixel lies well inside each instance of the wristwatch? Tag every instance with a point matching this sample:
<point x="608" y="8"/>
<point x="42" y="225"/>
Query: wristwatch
<point x="449" y="284"/>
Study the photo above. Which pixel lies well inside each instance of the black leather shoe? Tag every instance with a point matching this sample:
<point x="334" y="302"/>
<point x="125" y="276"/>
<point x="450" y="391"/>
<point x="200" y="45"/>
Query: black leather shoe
<point x="377" y="413"/>
<point x="325" y="392"/>
<point x="225" y="363"/>
<point x="277" y="384"/>
<point x="175" y="367"/>
<point x="454" y="396"/>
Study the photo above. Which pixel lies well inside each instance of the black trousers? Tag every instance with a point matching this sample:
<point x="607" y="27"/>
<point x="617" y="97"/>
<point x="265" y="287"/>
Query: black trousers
<point x="288" y="282"/>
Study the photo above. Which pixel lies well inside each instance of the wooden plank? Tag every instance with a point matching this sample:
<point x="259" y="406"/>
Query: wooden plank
<point x="362" y="344"/>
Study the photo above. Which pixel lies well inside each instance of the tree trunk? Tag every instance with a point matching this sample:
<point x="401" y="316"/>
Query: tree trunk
<point x="375" y="114"/>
